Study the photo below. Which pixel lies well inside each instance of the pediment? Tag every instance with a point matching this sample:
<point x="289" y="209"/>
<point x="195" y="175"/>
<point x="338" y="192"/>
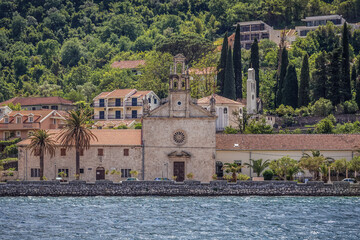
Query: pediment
<point x="179" y="154"/>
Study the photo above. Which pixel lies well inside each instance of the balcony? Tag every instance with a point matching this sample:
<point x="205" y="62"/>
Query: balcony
<point x="99" y="105"/>
<point x="114" y="117"/>
<point x="19" y="126"/>
<point x="133" y="116"/>
<point x="113" y="104"/>
<point x="97" y="117"/>
<point x="133" y="104"/>
<point x="110" y="117"/>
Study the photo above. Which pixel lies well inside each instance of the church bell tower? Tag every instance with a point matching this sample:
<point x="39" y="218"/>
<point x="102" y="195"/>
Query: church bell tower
<point x="251" y="92"/>
<point x="179" y="88"/>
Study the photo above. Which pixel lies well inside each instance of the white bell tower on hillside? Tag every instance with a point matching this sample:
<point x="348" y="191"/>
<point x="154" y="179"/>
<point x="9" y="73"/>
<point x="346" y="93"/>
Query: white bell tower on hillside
<point x="251" y="92"/>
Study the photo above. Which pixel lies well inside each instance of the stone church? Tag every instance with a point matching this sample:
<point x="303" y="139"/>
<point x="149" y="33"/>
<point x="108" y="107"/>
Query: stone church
<point x="179" y="136"/>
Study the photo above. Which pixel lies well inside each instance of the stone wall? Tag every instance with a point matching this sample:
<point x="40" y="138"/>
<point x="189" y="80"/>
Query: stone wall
<point x="170" y="188"/>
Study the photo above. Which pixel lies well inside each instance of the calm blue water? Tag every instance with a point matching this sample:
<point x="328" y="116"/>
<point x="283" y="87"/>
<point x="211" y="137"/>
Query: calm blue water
<point x="180" y="218"/>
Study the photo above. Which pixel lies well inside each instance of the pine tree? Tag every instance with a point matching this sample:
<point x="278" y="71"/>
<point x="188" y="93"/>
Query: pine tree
<point x="353" y="75"/>
<point x="345" y="84"/>
<point x="229" y="83"/>
<point x="333" y="90"/>
<point x="283" y="67"/>
<point x="320" y="76"/>
<point x="304" y="90"/>
<point x="290" y="90"/>
<point x="237" y="63"/>
<point x="254" y="58"/>
<point x="222" y="65"/>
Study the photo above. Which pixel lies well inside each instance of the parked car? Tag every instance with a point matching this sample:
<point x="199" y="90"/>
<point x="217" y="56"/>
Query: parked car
<point x="161" y="179"/>
<point x="132" y="179"/>
<point x="350" y="180"/>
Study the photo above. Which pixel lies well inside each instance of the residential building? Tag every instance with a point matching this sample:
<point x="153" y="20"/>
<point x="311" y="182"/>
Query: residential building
<point x="123" y="104"/>
<point x="118" y="150"/>
<point x="134" y="66"/>
<point x="228" y="111"/>
<point x="314" y="22"/>
<point x="38" y="103"/>
<point x="255" y="29"/>
<point x="20" y="124"/>
<point x="4" y="110"/>
<point x="243" y="147"/>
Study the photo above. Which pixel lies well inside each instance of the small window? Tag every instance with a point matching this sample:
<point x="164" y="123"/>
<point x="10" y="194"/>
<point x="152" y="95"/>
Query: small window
<point x="125" y="173"/>
<point x="63" y="170"/>
<point x="35" y="172"/>
<point x="6" y="120"/>
<point x="63" y="152"/>
<point x="54" y="107"/>
<point x="33" y="108"/>
<point x="54" y="121"/>
<point x="81" y="170"/>
<point x="18" y="133"/>
<point x="31" y="119"/>
<point x="81" y="152"/>
<point x="100" y="152"/>
<point x="155" y="101"/>
<point x="18" y="120"/>
<point x="126" y="152"/>
<point x="225" y="110"/>
<point x="149" y="100"/>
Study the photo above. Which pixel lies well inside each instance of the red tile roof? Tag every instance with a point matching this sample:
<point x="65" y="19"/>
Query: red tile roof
<point x="128" y="64"/>
<point x="118" y="93"/>
<point x="105" y="137"/>
<point x="38" y="115"/>
<point x="282" y="142"/>
<point x="218" y="100"/>
<point x="139" y="94"/>
<point x="30" y="101"/>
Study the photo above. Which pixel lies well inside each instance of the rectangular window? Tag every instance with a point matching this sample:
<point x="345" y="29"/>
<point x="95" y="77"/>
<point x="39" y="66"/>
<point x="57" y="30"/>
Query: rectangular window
<point x="101" y="115"/>
<point x="155" y="101"/>
<point x="54" y="107"/>
<point x="101" y="102"/>
<point x="100" y="152"/>
<point x="134" y="101"/>
<point x="18" y="120"/>
<point x="35" y="172"/>
<point x="6" y="120"/>
<point x="126" y="152"/>
<point x="125" y="173"/>
<point x="117" y="114"/>
<point x="117" y="102"/>
<point x="81" y="170"/>
<point x="64" y="170"/>
<point x="31" y="119"/>
<point x="63" y="152"/>
<point x="149" y="99"/>
<point x="45" y="107"/>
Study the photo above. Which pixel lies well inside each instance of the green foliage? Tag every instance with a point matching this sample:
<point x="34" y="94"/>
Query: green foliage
<point x="71" y="53"/>
<point x="326" y="126"/>
<point x="268" y="174"/>
<point x="348" y="128"/>
<point x="320" y="76"/>
<point x="345" y="84"/>
<point x="11" y="149"/>
<point x="350" y="107"/>
<point x="322" y="107"/>
<point x="121" y="127"/>
<point x="304" y="88"/>
<point x="255" y="64"/>
<point x="283" y="166"/>
<point x="281" y="83"/>
<point x="333" y="92"/>
<point x="230" y="130"/>
<point x="283" y="110"/>
<point x="290" y="90"/>
<point x="13" y="107"/>
<point x="242" y="177"/>
<point x="138" y="126"/>
<point x="222" y="65"/>
<point x="237" y="63"/>
<point x="258" y="127"/>
<point x="229" y="81"/>
<point x="258" y="166"/>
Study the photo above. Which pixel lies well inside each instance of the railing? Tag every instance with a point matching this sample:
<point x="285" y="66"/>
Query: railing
<point x="97" y="117"/>
<point x="133" y="116"/>
<point x="133" y="104"/>
<point x="113" y="104"/>
<point x="114" y="117"/>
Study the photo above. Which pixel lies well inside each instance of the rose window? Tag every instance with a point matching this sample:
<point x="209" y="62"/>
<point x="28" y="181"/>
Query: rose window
<point x="179" y="137"/>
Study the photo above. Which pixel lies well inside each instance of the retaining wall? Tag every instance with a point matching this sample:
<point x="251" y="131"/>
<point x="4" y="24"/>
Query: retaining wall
<point x="170" y="188"/>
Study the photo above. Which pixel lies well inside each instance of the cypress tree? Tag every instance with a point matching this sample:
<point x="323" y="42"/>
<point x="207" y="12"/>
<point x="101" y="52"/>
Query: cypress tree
<point x="320" y="76"/>
<point x="229" y="83"/>
<point x="290" y="90"/>
<point x="345" y="84"/>
<point x="304" y="90"/>
<point x="254" y="58"/>
<point x="353" y="75"/>
<point x="357" y="88"/>
<point x="222" y="65"/>
<point x="333" y="84"/>
<point x="237" y="63"/>
<point x="283" y="67"/>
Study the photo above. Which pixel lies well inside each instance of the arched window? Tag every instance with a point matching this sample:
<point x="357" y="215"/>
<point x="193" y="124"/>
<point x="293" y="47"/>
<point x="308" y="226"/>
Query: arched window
<point x="225" y="110"/>
<point x="175" y="84"/>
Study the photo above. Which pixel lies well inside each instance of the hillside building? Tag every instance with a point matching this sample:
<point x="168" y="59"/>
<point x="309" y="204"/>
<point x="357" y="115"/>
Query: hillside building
<point x="38" y="103"/>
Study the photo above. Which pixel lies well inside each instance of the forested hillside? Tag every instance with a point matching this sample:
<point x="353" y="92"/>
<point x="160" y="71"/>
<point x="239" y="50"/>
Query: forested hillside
<point x="65" y="48"/>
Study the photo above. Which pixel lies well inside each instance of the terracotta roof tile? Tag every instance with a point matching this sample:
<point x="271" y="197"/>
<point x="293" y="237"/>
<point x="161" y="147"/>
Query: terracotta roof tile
<point x="106" y="137"/>
<point x="38" y="114"/>
<point x="128" y="64"/>
<point x="30" y="101"/>
<point x="114" y="123"/>
<point x="273" y="142"/>
<point x="218" y="100"/>
<point x="140" y="94"/>
<point x="118" y="93"/>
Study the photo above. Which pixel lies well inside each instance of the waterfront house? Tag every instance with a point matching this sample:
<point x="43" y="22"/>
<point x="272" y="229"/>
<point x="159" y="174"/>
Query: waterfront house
<point x="20" y="124"/>
<point x="38" y="103"/>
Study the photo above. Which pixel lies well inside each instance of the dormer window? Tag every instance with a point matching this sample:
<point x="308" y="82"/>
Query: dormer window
<point x="6" y="120"/>
<point x="18" y="120"/>
<point x="31" y="119"/>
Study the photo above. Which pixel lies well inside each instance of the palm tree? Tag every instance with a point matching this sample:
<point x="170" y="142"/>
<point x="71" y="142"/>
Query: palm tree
<point x="355" y="165"/>
<point x="233" y="168"/>
<point x="258" y="165"/>
<point x="339" y="166"/>
<point x="314" y="161"/>
<point x="76" y="134"/>
<point x="42" y="143"/>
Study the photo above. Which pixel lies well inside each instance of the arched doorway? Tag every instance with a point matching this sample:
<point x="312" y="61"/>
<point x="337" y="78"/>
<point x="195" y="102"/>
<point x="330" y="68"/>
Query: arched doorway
<point x="100" y="173"/>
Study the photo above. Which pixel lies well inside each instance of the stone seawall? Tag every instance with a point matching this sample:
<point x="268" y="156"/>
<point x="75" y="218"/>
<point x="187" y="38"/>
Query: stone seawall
<point x="170" y="188"/>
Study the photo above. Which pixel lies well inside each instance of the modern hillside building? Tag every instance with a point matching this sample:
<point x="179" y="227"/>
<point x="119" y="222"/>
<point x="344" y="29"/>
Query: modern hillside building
<point x="314" y="22"/>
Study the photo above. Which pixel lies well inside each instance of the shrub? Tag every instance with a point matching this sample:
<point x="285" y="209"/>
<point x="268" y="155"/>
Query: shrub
<point x="322" y="107"/>
<point x="230" y="130"/>
<point x="268" y="174"/>
<point x="121" y="127"/>
<point x="350" y="107"/>
<point x="138" y="126"/>
<point x="325" y="126"/>
<point x="11" y="149"/>
<point x="297" y="131"/>
<point x="302" y="112"/>
<point x="242" y="177"/>
<point x="214" y="177"/>
<point x="190" y="176"/>
<point x="285" y="110"/>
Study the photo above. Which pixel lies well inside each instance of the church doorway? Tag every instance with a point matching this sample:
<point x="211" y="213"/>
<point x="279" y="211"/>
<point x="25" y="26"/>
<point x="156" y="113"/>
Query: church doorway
<point x="179" y="171"/>
<point x="100" y="173"/>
